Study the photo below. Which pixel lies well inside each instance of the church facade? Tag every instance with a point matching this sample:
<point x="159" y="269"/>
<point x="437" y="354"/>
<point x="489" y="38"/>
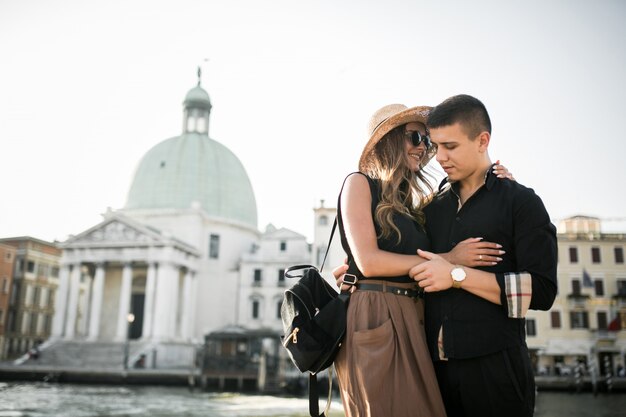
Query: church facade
<point x="181" y="259"/>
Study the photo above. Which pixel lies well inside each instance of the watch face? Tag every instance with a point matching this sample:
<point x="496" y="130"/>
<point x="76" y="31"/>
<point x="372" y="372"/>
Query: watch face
<point x="458" y="274"/>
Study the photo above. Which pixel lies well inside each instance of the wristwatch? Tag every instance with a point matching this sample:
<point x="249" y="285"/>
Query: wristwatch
<point x="458" y="276"/>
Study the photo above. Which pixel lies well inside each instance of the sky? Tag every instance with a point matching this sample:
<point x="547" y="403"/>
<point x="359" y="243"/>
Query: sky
<point x="88" y="87"/>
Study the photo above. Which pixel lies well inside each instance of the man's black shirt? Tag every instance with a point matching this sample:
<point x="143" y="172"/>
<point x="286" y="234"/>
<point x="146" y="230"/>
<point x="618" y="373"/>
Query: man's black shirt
<point x="504" y="212"/>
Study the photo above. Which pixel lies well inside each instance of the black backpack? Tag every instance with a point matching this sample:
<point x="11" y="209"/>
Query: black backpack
<point x="314" y="322"/>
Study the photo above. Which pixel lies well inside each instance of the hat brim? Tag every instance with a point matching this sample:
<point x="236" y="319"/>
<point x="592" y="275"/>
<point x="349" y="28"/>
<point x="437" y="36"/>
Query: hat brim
<point x="414" y="114"/>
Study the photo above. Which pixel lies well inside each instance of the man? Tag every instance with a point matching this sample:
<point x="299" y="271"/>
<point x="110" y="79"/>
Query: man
<point x="475" y="323"/>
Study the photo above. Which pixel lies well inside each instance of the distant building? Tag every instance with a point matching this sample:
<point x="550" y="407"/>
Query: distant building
<point x="163" y="271"/>
<point x="32" y="293"/>
<point x="181" y="262"/>
<point x="262" y="277"/>
<point x="587" y="323"/>
<point x="7" y="261"/>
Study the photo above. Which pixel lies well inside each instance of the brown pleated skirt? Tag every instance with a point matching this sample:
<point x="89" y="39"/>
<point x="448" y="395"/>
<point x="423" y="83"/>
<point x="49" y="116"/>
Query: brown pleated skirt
<point x="384" y="368"/>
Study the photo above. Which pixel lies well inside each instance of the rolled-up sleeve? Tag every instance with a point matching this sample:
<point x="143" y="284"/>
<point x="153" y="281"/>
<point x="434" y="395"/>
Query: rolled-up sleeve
<point x="534" y="284"/>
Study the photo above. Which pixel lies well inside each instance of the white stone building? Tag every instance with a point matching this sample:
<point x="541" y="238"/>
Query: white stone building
<point x="164" y="271"/>
<point x="587" y="323"/>
<point x="262" y="277"/>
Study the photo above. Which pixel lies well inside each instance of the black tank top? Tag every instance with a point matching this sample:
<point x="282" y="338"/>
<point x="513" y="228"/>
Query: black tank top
<point x="413" y="235"/>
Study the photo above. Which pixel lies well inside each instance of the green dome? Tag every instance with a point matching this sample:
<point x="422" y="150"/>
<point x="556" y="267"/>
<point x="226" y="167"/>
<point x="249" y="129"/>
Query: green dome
<point x="193" y="167"/>
<point x="197" y="97"/>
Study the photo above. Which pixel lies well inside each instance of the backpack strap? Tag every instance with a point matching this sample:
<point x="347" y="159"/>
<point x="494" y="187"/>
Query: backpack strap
<point x="314" y="408"/>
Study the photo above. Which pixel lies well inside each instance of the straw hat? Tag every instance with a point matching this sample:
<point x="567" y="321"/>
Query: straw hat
<point x="385" y="120"/>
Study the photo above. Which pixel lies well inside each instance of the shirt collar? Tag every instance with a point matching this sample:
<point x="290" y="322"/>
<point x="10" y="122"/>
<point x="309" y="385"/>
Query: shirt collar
<point x="490" y="181"/>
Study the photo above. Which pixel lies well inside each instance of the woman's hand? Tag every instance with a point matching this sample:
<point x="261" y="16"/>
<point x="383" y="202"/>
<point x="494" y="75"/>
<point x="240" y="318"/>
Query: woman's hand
<point x="475" y="252"/>
<point x="338" y="273"/>
<point x="502" y="172"/>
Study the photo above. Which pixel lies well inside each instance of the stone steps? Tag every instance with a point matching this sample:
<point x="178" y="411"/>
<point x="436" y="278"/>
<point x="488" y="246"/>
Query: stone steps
<point x="76" y="354"/>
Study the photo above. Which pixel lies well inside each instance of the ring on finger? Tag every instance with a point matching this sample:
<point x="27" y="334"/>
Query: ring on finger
<point x="480" y="257"/>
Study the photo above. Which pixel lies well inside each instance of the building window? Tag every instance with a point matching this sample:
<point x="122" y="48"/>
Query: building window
<point x="28" y="295"/>
<point x="1" y="318"/>
<point x="9" y="256"/>
<point x="41" y="321"/>
<point x="573" y="255"/>
<point x="281" y="276"/>
<point x="323" y="221"/>
<point x="25" y="322"/>
<point x="43" y="270"/>
<point x="575" y="287"/>
<point x="619" y="255"/>
<point x="579" y="319"/>
<point x="36" y="292"/>
<point x="33" y="324"/>
<point x="54" y="272"/>
<point x="255" y="309"/>
<point x="19" y="266"/>
<point x="531" y="329"/>
<point x="279" y="305"/>
<point x="48" y="323"/>
<point x="621" y="287"/>
<point x="283" y="246"/>
<point x="595" y="255"/>
<point x="13" y="297"/>
<point x="257" y="276"/>
<point x="5" y="285"/>
<point x="555" y="319"/>
<point x="602" y="320"/>
<point x="214" y="246"/>
<point x="30" y="266"/>
<point x="599" y="286"/>
<point x="43" y="297"/>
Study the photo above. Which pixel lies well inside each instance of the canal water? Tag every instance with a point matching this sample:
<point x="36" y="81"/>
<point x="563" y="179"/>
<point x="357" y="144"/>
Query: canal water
<point x="66" y="400"/>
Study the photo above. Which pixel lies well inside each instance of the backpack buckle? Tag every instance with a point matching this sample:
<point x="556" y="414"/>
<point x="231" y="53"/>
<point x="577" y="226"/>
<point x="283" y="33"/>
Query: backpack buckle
<point x="350" y="279"/>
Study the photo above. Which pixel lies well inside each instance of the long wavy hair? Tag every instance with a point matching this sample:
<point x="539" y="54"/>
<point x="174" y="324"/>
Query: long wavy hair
<point x="402" y="191"/>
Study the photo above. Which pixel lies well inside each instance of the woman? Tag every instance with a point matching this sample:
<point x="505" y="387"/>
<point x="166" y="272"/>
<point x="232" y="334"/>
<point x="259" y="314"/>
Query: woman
<point x="383" y="367"/>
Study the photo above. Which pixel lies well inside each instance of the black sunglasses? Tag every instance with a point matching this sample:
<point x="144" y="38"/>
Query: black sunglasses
<point x="417" y="138"/>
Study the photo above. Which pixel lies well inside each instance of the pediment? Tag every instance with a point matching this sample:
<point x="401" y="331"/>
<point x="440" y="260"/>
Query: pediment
<point x="115" y="232"/>
<point x="284" y="233"/>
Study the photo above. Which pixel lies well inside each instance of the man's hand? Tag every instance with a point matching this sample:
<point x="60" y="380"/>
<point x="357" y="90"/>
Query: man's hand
<point x="433" y="275"/>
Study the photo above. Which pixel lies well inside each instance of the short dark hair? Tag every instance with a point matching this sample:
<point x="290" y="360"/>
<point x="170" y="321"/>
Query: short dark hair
<point x="466" y="110"/>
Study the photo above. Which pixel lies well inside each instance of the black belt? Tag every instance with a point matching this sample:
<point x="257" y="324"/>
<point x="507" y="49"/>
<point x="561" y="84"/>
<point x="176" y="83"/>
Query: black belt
<point x="390" y="288"/>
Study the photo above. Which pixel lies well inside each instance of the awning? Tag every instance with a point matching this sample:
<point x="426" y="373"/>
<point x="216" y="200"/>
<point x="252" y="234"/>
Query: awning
<point x="567" y="347"/>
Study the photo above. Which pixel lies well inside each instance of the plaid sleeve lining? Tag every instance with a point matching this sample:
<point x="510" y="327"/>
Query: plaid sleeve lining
<point x="518" y="288"/>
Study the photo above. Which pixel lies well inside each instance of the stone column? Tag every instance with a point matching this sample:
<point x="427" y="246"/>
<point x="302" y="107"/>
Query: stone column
<point x="164" y="301"/>
<point x="174" y="318"/>
<point x="72" y="307"/>
<point x="124" y="307"/>
<point x="148" y="309"/>
<point x="60" y="302"/>
<point x="194" y="307"/>
<point x="84" y="307"/>
<point x="96" y="303"/>
<point x="187" y="306"/>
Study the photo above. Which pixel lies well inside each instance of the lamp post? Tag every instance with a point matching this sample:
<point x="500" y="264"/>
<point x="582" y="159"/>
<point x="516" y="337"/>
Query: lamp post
<point x="129" y="320"/>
